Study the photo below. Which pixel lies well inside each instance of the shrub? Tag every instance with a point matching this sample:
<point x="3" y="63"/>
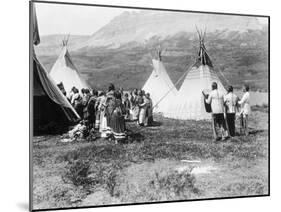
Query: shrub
<point x="179" y="185"/>
<point x="77" y="172"/>
<point x="143" y="183"/>
<point x="111" y="180"/>
<point x="81" y="173"/>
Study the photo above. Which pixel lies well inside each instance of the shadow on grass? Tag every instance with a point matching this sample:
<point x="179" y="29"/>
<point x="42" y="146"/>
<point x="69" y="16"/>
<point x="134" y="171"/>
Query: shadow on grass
<point x="155" y="124"/>
<point x="255" y="132"/>
<point x="134" y="137"/>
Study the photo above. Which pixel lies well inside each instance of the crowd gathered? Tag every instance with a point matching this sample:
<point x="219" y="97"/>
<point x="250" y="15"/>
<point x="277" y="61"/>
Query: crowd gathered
<point x="107" y="112"/>
<point x="226" y="109"/>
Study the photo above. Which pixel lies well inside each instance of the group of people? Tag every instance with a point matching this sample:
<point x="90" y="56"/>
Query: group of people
<point x="107" y="112"/>
<point x="225" y="109"/>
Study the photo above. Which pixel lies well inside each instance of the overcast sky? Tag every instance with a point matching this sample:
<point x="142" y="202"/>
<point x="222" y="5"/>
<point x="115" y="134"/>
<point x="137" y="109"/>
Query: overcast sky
<point x="77" y="20"/>
<point x="73" y="19"/>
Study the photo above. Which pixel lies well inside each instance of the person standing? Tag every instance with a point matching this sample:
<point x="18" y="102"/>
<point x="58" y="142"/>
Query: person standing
<point x="230" y="103"/>
<point x="100" y="98"/>
<point x="85" y="100"/>
<point x="134" y="105"/>
<point x="140" y="106"/>
<point x="61" y="87"/>
<point x="71" y="94"/>
<point x="127" y="105"/>
<point x="110" y="104"/>
<point x="102" y="115"/>
<point x="143" y="110"/>
<point x="245" y="109"/>
<point x="76" y="102"/>
<point x="149" y="110"/>
<point x="91" y="108"/>
<point x="121" y="90"/>
<point x="215" y="99"/>
<point x="117" y="120"/>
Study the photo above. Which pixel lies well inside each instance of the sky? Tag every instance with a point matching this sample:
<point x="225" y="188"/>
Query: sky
<point x="73" y="19"/>
<point x="77" y="20"/>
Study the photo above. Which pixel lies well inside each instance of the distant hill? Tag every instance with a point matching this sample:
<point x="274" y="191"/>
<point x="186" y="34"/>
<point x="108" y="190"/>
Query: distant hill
<point x="122" y="50"/>
<point x="51" y="44"/>
<point x="241" y="57"/>
<point x="141" y="26"/>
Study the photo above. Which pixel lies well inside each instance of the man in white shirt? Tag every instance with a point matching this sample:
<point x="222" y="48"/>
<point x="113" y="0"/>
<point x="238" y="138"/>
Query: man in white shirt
<point x="230" y="103"/>
<point x="245" y="109"/>
<point x="215" y="98"/>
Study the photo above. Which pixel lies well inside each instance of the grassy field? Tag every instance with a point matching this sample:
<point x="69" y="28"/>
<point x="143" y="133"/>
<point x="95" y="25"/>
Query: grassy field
<point x="174" y="160"/>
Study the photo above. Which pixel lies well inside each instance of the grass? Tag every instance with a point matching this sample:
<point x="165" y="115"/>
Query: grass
<point x="147" y="167"/>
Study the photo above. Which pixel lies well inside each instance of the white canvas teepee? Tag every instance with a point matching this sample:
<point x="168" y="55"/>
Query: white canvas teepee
<point x="49" y="104"/>
<point x="161" y="88"/>
<point x="189" y="102"/>
<point x="65" y="72"/>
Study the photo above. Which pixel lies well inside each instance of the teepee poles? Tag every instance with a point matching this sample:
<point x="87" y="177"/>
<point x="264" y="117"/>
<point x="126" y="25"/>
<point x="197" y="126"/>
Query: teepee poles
<point x="227" y="81"/>
<point x="65" y="40"/>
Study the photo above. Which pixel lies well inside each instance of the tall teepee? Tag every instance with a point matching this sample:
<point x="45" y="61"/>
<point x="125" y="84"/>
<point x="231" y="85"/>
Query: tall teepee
<point x="65" y="72"/>
<point x="160" y="86"/>
<point x="189" y="102"/>
<point x="49" y="105"/>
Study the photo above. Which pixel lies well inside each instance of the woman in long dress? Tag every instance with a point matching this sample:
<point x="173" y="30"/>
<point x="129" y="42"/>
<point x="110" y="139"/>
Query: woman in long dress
<point x="142" y="106"/>
<point x="97" y="108"/>
<point x="127" y="105"/>
<point x="149" y="111"/>
<point x="86" y="113"/>
<point x="117" y="118"/>
<point x="91" y="109"/>
<point x="103" y="121"/>
<point x="134" y="106"/>
<point x="110" y="104"/>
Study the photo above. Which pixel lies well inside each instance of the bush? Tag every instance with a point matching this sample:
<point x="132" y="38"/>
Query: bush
<point x="81" y="173"/>
<point x="110" y="178"/>
<point x="78" y="173"/>
<point x="177" y="185"/>
<point x="155" y="182"/>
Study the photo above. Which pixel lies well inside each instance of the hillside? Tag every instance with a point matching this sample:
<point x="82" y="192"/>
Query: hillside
<point x="51" y="44"/>
<point x="121" y="51"/>
<point x="240" y="56"/>
<point x="141" y="26"/>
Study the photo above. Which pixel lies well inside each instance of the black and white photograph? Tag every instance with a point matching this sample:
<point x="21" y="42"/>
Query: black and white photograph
<point x="132" y="105"/>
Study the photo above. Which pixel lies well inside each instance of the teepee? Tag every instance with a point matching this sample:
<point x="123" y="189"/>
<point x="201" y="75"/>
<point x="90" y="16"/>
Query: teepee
<point x="189" y="102"/>
<point x="65" y="72"/>
<point x="49" y="105"/>
<point x="160" y="87"/>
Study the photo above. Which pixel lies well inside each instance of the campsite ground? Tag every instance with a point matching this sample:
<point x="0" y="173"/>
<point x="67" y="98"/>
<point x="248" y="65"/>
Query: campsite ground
<point x="171" y="161"/>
